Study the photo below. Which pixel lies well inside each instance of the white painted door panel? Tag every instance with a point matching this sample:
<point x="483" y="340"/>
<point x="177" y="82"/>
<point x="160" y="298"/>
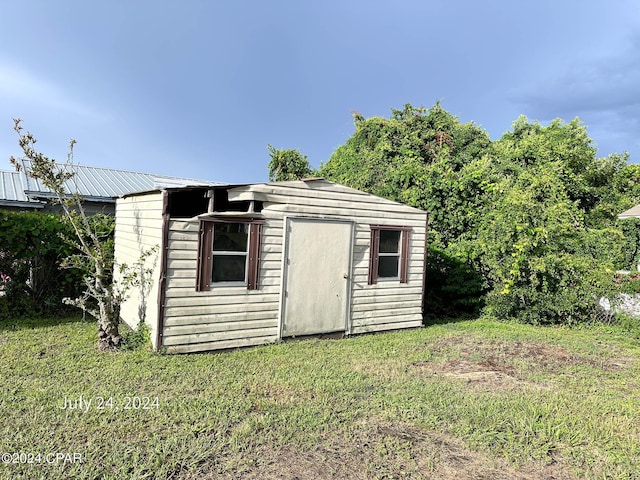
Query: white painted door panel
<point x="317" y="269"/>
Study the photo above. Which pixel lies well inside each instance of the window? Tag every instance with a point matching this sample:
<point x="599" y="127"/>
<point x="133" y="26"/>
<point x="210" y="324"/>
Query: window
<point x="228" y="252"/>
<point x="229" y="260"/>
<point x="389" y="253"/>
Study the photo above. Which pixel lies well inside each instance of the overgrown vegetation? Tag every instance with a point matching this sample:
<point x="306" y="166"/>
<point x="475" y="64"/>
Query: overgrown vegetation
<point x="138" y="338"/>
<point x="467" y="400"/>
<point x="32" y="247"/>
<point x="524" y="226"/>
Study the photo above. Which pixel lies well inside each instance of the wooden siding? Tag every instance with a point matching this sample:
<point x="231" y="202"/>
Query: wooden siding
<point x="224" y="316"/>
<point x="139" y="228"/>
<point x="232" y="316"/>
<point x="401" y="303"/>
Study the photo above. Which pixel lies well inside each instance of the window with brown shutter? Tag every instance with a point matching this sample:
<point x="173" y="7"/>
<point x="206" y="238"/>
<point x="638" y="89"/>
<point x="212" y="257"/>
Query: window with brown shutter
<point x="389" y="253"/>
<point x="228" y="252"/>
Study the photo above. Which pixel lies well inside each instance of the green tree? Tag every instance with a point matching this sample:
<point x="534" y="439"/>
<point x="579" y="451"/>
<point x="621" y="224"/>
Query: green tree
<point x="620" y="194"/>
<point x="288" y="165"/>
<point x="547" y="241"/>
<point x="32" y="245"/>
<point x="588" y="180"/>
<point x="414" y="157"/>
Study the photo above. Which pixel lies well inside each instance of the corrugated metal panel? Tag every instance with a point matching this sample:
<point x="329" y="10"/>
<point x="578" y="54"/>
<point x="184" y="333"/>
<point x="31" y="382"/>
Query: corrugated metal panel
<point x="12" y="191"/>
<point x="10" y="187"/>
<point x="97" y="182"/>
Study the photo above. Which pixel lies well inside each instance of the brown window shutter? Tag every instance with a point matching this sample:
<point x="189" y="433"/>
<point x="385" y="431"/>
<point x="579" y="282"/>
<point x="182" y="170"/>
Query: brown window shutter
<point x="373" y="255"/>
<point x="404" y="257"/>
<point x="205" y="251"/>
<point x="253" y="269"/>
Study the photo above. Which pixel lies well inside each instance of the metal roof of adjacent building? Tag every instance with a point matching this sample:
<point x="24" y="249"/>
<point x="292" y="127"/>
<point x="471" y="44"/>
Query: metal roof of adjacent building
<point x="12" y="191"/>
<point x="93" y="183"/>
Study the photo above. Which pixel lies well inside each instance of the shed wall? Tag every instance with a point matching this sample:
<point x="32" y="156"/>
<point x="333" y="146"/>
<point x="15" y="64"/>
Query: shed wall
<point x="223" y="317"/>
<point x="232" y="316"/>
<point x="138" y="229"/>
<point x="387" y="304"/>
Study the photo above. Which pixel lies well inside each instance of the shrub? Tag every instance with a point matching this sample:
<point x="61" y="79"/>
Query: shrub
<point x="452" y="286"/>
<point x="32" y="247"/>
<point x="542" y="263"/>
<point x="631" y="251"/>
<point x="139" y="338"/>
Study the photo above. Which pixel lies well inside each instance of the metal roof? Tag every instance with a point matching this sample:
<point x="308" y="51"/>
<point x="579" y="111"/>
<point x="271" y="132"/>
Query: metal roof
<point x="12" y="191"/>
<point x="94" y="183"/>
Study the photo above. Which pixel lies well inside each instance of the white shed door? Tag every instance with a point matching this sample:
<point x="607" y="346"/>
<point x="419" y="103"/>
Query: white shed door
<point x="316" y="276"/>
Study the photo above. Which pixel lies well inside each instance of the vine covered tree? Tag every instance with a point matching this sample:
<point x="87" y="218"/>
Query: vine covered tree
<point x="418" y="156"/>
<point x="525" y="226"/>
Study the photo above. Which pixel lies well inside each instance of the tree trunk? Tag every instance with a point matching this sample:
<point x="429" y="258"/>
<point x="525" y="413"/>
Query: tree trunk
<point x="109" y="338"/>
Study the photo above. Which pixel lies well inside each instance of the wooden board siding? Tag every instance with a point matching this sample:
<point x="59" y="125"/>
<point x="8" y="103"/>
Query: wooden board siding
<point x="224" y="316"/>
<point x="139" y="228"/>
<point x="387" y="304"/>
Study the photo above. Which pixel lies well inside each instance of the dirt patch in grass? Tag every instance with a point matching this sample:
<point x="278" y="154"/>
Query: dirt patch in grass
<point x="543" y="355"/>
<point x="477" y="374"/>
<point x="379" y="449"/>
<point x="505" y="365"/>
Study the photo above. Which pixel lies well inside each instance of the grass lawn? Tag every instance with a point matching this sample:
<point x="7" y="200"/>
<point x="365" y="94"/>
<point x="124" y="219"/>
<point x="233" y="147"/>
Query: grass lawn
<point x="468" y="400"/>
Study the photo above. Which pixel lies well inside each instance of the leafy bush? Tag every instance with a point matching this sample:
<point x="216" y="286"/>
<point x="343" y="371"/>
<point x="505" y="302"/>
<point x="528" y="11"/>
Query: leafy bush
<point x="563" y="290"/>
<point x="631" y="246"/>
<point x="624" y="306"/>
<point x="525" y="225"/>
<point x="542" y="263"/>
<point x="140" y="338"/>
<point x="629" y="323"/>
<point x="32" y="247"/>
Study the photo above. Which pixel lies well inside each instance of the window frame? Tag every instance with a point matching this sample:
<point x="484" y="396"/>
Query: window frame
<point x="204" y="268"/>
<point x="403" y="252"/>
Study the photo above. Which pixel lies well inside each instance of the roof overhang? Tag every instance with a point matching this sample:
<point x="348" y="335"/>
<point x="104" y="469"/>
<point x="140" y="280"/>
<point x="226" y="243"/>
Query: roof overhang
<point x="182" y="188"/>
<point x="231" y="214"/>
<point x="260" y="191"/>
<point x="86" y="198"/>
<point x="21" y="204"/>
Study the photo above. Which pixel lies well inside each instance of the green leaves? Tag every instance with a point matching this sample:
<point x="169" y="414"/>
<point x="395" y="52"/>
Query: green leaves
<point x="544" y="263"/>
<point x="32" y="247"/>
<point x="92" y="241"/>
<point x="525" y="225"/>
<point x="422" y="157"/>
<point x="288" y="165"/>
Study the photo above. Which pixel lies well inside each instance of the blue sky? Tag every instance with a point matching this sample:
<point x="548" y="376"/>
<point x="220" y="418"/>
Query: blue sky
<point x="199" y="88"/>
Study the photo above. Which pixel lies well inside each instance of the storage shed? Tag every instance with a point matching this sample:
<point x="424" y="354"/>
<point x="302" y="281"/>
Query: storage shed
<point x="251" y="264"/>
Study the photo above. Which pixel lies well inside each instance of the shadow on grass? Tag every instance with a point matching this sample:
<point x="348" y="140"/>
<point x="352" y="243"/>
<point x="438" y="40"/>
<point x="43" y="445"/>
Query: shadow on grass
<point x="431" y="320"/>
